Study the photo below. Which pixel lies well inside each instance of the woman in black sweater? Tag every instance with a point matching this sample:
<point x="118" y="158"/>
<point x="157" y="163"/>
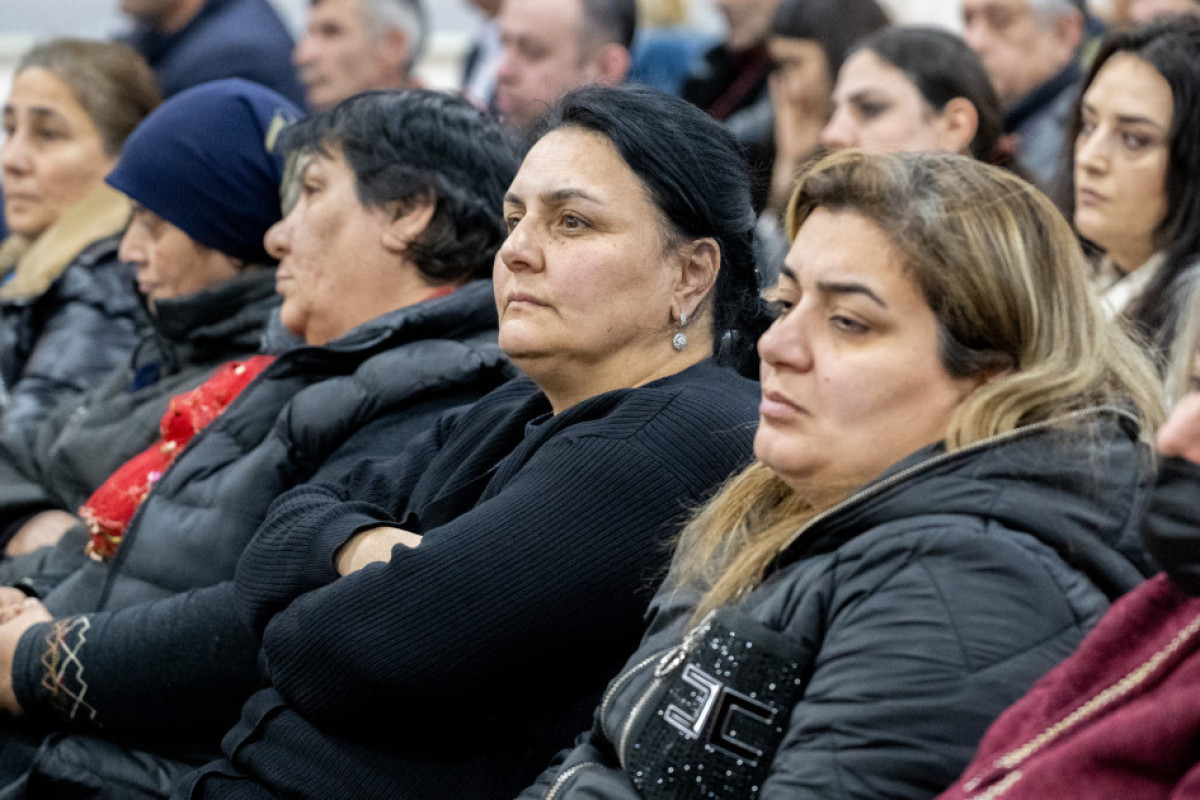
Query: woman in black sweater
<point x="517" y="543"/>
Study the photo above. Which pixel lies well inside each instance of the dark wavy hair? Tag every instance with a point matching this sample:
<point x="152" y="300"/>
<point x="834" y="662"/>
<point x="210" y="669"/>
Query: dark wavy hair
<point x="696" y="177"/>
<point x="943" y="67"/>
<point x="417" y="146"/>
<point x="1172" y="46"/>
<point x="836" y="25"/>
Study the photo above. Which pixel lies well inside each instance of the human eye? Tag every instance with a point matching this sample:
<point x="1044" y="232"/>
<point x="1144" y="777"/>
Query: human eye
<point x="510" y="222"/>
<point x="1134" y="142"/>
<point x="1087" y="126"/>
<point x="779" y="302"/>
<point x="998" y="18"/>
<point x="47" y="133"/>
<point x="146" y="220"/>
<point x="533" y="51"/>
<point x="573" y="222"/>
<point x="870" y="109"/>
<point x="845" y="324"/>
<point x="778" y="307"/>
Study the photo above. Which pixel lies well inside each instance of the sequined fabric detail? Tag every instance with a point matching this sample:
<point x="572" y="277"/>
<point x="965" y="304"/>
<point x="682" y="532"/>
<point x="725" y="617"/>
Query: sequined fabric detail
<point x="719" y="715"/>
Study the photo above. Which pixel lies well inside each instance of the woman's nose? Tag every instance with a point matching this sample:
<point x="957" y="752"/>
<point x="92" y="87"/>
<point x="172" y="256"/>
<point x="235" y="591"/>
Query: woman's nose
<point x="1091" y="152"/>
<point x="786" y="345"/>
<point x="14" y="155"/>
<point x="520" y="250"/>
<point x="131" y="250"/>
<point x="277" y="240"/>
<point x="837" y="133"/>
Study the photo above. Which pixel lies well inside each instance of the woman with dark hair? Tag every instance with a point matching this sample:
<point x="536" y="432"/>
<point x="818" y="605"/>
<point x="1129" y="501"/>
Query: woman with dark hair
<point x="915" y="89"/>
<point x="1134" y="186"/>
<point x="68" y="310"/>
<point x="947" y="455"/>
<point x="810" y="39"/>
<point x="442" y="621"/>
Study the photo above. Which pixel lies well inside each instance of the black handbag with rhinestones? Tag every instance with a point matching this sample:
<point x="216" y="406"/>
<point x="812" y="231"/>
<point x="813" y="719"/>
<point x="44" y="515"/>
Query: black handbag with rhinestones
<point x="709" y="724"/>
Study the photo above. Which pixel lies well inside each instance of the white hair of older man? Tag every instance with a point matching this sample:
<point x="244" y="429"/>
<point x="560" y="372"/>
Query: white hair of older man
<point x="407" y="15"/>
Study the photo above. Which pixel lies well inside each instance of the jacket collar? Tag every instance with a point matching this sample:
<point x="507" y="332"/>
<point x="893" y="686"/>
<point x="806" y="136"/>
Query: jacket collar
<point x="1075" y="482"/>
<point x="1042" y="96"/>
<point x="103" y="213"/>
<point x="153" y="43"/>
<point x="469" y="309"/>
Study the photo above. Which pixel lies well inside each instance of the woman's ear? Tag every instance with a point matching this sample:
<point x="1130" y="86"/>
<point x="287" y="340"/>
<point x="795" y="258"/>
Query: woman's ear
<point x="408" y="221"/>
<point x="957" y="123"/>
<point x="700" y="261"/>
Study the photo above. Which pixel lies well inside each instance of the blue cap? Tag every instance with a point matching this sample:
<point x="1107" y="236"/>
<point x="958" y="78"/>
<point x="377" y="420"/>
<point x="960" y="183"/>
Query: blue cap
<point x="205" y="161"/>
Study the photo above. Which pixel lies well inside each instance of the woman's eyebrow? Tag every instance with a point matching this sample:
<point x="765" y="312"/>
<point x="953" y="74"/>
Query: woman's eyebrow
<point x="1136" y="119"/>
<point x="553" y="196"/>
<point x="849" y="287"/>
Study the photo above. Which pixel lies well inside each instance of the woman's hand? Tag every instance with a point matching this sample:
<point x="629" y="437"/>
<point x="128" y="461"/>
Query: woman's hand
<point x="31" y="612"/>
<point x="41" y="530"/>
<point x="371" y="546"/>
<point x="12" y="603"/>
<point x="800" y="116"/>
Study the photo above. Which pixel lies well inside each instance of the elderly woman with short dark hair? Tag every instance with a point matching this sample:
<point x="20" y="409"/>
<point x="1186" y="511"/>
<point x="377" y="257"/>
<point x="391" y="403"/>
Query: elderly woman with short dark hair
<point x="383" y="265"/>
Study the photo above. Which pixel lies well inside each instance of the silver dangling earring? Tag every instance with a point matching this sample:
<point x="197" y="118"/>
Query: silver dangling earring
<point x="679" y="340"/>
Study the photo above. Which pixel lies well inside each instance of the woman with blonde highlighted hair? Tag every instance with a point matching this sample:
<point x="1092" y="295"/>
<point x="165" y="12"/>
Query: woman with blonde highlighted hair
<point x="951" y="453"/>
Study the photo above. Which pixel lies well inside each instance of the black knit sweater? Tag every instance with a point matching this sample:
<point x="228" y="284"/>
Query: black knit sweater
<point x="460" y="667"/>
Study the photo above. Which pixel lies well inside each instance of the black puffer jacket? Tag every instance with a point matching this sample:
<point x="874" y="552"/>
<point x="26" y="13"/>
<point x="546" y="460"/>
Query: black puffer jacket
<point x="889" y="635"/>
<point x="60" y="461"/>
<point x="152" y="642"/>
<point x="58" y="344"/>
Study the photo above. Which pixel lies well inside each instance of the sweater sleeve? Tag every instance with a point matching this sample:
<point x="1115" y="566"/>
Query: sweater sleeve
<point x="292" y="551"/>
<point x="547" y="576"/>
<point x="110" y="669"/>
<point x="928" y="637"/>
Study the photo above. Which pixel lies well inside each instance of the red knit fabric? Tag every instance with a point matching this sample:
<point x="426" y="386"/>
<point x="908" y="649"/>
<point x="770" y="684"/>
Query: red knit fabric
<point x="1134" y="688"/>
<point x="110" y="508"/>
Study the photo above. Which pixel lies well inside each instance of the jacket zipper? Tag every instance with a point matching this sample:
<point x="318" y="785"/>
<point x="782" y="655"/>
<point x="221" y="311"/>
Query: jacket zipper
<point x="668" y="661"/>
<point x="1098" y="702"/>
<point x="622" y="679"/>
<point x="563" y="777"/>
